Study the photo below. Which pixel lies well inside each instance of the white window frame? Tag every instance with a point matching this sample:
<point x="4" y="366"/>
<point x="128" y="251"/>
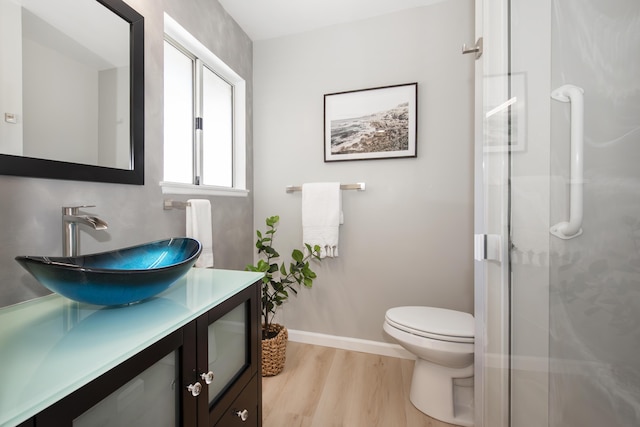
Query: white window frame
<point x="177" y="33"/>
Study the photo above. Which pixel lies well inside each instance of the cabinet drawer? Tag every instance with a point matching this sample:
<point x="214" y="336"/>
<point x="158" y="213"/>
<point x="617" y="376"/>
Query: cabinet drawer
<point x="247" y="401"/>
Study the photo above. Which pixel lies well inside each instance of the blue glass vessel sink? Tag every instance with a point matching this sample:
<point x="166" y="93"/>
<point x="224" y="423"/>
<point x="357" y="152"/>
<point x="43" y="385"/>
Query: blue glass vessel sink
<point x="117" y="277"/>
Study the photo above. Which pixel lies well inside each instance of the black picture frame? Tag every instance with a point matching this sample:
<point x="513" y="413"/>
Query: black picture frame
<point x="369" y="124"/>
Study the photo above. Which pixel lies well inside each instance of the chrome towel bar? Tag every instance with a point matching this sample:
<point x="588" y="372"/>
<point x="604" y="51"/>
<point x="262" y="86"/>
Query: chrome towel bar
<point x="358" y="186"/>
<point x="174" y="204"/>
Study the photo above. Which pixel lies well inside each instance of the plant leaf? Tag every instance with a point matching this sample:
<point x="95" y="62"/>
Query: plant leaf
<point x="272" y="220"/>
<point x="297" y="255"/>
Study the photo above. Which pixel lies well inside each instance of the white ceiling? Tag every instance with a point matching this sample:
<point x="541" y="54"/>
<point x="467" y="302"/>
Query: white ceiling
<point x="266" y="19"/>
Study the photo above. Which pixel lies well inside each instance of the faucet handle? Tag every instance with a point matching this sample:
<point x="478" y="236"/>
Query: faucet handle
<point x="74" y="206"/>
<point x="74" y="209"/>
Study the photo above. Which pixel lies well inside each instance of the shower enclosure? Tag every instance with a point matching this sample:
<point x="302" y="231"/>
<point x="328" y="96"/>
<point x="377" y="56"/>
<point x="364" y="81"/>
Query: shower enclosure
<point x="558" y="213"/>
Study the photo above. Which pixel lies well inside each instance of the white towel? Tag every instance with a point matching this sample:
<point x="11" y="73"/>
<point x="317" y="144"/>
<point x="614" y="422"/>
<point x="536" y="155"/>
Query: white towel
<point x="199" y="228"/>
<point x="322" y="216"/>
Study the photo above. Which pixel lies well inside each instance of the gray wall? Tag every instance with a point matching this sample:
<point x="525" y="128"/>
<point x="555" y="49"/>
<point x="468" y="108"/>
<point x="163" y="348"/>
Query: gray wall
<point x="408" y="238"/>
<point x="30" y="208"/>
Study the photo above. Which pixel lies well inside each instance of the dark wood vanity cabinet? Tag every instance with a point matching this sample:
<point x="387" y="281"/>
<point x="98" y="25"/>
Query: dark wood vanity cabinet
<point x="166" y="384"/>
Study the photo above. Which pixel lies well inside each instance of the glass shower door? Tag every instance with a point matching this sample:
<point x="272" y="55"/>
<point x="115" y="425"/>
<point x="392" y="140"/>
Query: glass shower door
<point x="571" y="333"/>
<point x="594" y="278"/>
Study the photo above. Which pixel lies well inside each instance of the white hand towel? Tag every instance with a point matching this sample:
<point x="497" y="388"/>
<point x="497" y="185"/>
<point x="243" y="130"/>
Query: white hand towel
<point x="199" y="228"/>
<point x="322" y="216"/>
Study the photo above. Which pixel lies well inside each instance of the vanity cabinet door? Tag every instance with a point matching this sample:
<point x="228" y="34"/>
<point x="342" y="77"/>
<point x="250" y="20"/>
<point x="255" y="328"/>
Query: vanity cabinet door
<point x="228" y="343"/>
<point x="145" y="390"/>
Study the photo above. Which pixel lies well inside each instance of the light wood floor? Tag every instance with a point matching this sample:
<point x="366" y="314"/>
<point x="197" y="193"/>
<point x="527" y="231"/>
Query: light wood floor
<point x="328" y="387"/>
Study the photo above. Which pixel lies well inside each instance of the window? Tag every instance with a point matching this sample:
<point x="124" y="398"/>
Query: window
<point x="204" y="119"/>
<point x="178" y="116"/>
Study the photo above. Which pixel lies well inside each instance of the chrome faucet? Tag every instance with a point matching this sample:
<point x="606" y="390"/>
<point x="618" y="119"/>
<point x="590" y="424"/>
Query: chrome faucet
<point x="71" y="218"/>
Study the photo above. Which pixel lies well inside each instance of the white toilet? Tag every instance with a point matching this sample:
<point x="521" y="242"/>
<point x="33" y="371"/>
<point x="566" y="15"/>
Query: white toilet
<point x="442" y="341"/>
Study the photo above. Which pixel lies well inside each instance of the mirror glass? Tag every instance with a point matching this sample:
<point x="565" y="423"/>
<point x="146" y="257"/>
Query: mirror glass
<point x="71" y="90"/>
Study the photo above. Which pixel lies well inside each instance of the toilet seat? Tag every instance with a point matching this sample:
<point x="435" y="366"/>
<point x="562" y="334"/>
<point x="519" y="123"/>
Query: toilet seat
<point x="431" y="322"/>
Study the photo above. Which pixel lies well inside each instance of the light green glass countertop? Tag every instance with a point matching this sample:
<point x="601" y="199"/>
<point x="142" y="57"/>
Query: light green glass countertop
<point x="51" y="346"/>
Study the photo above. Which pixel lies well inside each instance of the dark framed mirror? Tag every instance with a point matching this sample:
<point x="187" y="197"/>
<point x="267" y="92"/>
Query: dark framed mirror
<point x="77" y="89"/>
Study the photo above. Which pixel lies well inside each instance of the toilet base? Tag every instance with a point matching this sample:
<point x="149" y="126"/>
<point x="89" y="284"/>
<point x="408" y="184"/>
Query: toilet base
<point x="433" y="392"/>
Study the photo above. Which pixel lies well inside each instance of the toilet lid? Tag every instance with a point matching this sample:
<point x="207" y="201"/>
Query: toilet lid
<point x="432" y="322"/>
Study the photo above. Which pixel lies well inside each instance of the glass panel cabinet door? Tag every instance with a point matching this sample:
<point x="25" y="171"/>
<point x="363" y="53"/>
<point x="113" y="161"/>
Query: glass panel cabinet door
<point x="149" y="389"/>
<point x="228" y="349"/>
<point x="150" y="399"/>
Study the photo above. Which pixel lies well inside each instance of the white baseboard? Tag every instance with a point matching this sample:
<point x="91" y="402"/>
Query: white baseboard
<point x="353" y="344"/>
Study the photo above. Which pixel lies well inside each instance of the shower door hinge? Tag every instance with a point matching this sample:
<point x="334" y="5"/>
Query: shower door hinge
<point x="487" y="247"/>
<point x="198" y="123"/>
<point x="477" y="49"/>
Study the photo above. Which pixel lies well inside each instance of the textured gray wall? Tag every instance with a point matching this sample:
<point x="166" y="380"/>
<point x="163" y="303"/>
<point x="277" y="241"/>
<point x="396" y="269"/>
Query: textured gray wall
<point x="30" y="208"/>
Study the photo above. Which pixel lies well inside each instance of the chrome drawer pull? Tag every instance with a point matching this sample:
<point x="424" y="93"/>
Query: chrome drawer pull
<point x="195" y="389"/>
<point x="243" y="415"/>
<point x="208" y="377"/>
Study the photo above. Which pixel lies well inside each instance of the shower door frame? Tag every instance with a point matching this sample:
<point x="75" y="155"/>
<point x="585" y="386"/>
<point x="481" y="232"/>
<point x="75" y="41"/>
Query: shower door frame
<point x="492" y="219"/>
<point x="511" y="295"/>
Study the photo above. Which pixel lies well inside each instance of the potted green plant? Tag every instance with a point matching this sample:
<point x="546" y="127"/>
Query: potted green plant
<point x="277" y="282"/>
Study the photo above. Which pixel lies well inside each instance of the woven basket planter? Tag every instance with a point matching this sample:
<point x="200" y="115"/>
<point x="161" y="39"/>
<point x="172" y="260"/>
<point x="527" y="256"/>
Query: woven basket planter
<point x="274" y="351"/>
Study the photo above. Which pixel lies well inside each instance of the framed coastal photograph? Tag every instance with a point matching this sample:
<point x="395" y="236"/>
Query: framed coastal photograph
<point x="377" y="123"/>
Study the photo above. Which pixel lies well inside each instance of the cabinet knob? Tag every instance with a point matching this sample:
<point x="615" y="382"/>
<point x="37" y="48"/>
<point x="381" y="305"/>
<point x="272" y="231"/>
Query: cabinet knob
<point x="208" y="377"/>
<point x="195" y="389"/>
<point x="243" y="415"/>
